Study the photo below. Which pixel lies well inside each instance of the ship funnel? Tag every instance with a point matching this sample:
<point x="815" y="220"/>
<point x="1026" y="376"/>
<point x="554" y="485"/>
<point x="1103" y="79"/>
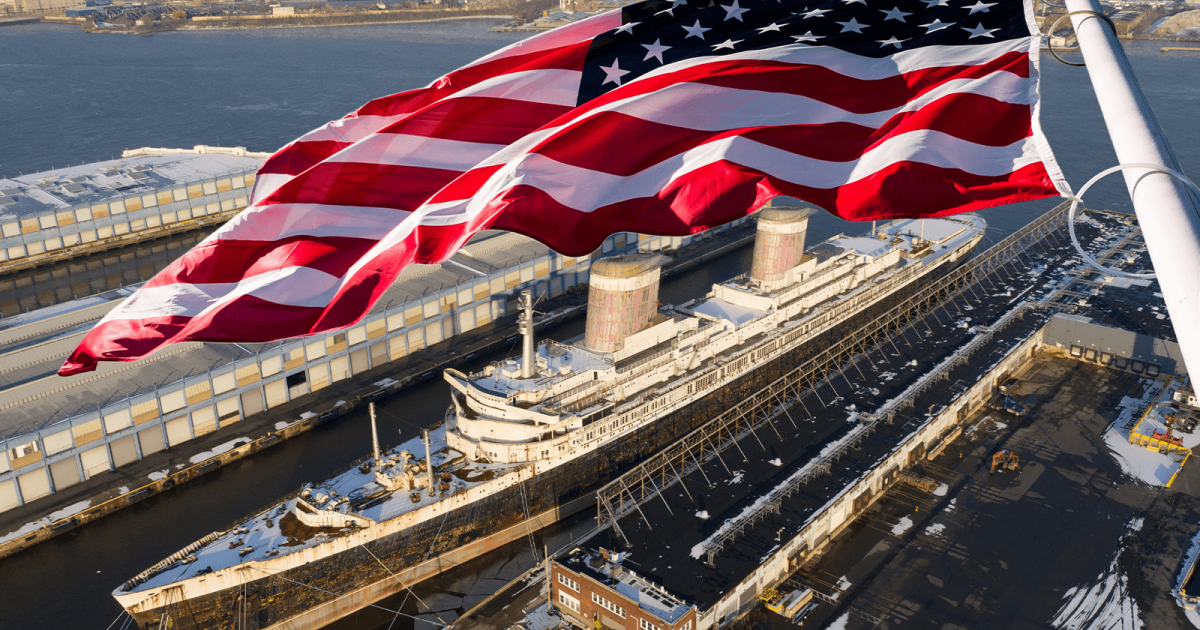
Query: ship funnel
<point x="622" y="299"/>
<point x="779" y="243"/>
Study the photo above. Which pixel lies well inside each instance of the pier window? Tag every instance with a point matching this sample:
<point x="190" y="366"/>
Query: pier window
<point x="46" y="222"/>
<point x="117" y="421"/>
<point x="87" y="432"/>
<point x="315" y="350"/>
<point x="336" y="343"/>
<point x="204" y="421"/>
<point x="297" y="384"/>
<point x="58" y="443"/>
<point x="11" y="229"/>
<point x="95" y="461"/>
<point x="272" y="366"/>
<point x="222" y="383"/>
<point x="568" y="602"/>
<point x="151" y="440"/>
<point x="64" y="473"/>
<point x="238" y="182"/>
<point x="223" y="185"/>
<point x="379" y="354"/>
<point x="83" y="214"/>
<point x="318" y="376"/>
<point x="25" y="454"/>
<point x="397" y="347"/>
<point x="433" y="333"/>
<point x="376" y="328"/>
<point x="172" y="401"/>
<point x="148" y="201"/>
<point x="609" y="606"/>
<point x="568" y="582"/>
<point x="339" y="369"/>
<point x="178" y="194"/>
<point x="145" y="411"/>
<point x="194" y="191"/>
<point x="124" y="451"/>
<point x="210" y="188"/>
<point x="227" y="410"/>
<point x="4" y="467"/>
<point x="395" y="322"/>
<point x="357" y="335"/>
<point x="178" y="431"/>
<point x="293" y="358"/>
<point x="247" y="374"/>
<point x="66" y="218"/>
<point x="413" y="315"/>
<point x="198" y="392"/>
<point x="34" y="484"/>
<point x="252" y="402"/>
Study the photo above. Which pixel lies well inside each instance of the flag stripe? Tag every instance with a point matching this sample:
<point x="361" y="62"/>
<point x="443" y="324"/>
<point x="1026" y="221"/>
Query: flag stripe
<point x="523" y="140"/>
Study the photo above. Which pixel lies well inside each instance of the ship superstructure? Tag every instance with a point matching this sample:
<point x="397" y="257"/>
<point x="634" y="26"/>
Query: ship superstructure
<point x="527" y="439"/>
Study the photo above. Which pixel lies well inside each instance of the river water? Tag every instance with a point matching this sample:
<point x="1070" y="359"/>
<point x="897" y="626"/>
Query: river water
<point x="67" y="98"/>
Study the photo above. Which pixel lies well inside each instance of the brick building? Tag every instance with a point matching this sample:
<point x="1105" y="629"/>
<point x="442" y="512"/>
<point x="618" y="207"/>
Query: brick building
<point x="593" y="590"/>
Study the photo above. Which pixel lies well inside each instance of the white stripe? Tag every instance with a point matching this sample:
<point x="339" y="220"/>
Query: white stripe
<point x="419" y="151"/>
<point x="279" y="221"/>
<point x="550" y="87"/>
<point x="858" y="67"/>
<point x="290" y="286"/>
<point x="267" y="183"/>
<point x="924" y="146"/>
<point x="716" y="108"/>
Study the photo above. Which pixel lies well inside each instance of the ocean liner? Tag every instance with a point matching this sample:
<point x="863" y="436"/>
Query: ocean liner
<point x="528" y="440"/>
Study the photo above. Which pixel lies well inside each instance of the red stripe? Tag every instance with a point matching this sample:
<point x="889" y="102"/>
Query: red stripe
<point x="222" y="261"/>
<point x="357" y="184"/>
<point x="478" y="119"/>
<point x="300" y="156"/>
<point x="956" y="115"/>
<point x="121" y="340"/>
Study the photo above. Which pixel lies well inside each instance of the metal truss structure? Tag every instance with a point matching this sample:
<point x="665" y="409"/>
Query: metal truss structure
<point x="761" y="411"/>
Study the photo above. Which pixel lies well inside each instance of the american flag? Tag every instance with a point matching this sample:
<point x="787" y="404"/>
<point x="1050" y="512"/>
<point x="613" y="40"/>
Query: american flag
<point x="664" y="117"/>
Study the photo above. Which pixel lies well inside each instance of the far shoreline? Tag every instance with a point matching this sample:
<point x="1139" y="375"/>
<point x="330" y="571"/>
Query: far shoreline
<point x="249" y="27"/>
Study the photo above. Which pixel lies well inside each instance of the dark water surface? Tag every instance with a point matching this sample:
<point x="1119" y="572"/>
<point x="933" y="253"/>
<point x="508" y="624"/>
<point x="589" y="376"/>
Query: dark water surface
<point x="67" y="97"/>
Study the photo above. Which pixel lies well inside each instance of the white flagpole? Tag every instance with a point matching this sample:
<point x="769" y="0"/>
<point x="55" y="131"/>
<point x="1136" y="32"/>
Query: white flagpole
<point x="1169" y="218"/>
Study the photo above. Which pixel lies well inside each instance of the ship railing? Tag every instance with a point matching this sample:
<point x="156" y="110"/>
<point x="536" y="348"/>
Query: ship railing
<point x="625" y="369"/>
<point x="687" y="455"/>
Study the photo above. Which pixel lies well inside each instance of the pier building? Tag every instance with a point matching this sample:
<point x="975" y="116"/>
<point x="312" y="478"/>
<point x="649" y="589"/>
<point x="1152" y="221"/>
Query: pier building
<point x="59" y="214"/>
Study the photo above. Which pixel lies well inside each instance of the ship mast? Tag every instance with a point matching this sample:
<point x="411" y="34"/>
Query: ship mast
<point x="374" y="435"/>
<point x="525" y="325"/>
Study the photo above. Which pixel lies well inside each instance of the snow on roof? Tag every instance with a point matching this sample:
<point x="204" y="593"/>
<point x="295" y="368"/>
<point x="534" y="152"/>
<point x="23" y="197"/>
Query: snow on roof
<point x="716" y="308"/>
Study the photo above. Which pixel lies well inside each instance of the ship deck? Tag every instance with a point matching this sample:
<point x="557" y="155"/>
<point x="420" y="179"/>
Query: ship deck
<point x="271" y="534"/>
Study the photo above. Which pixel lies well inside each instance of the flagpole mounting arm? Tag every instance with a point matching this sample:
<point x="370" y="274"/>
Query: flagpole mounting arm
<point x="1168" y="215"/>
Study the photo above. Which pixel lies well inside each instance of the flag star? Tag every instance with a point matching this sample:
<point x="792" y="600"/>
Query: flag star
<point x="675" y="3"/>
<point x="729" y="43"/>
<point x="771" y="27"/>
<point x="613" y="74"/>
<point x="935" y="25"/>
<point x="734" y="11"/>
<point x="891" y="40"/>
<point x="696" y="31"/>
<point x="894" y="14"/>
<point x="670" y="11"/>
<point x="864" y="2"/>
<point x="979" y="6"/>
<point x="807" y="37"/>
<point x="626" y="28"/>
<point x="655" y="50"/>
<point x="852" y="25"/>
<point x="814" y="13"/>
<point x="929" y="4"/>
<point x="979" y="31"/>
